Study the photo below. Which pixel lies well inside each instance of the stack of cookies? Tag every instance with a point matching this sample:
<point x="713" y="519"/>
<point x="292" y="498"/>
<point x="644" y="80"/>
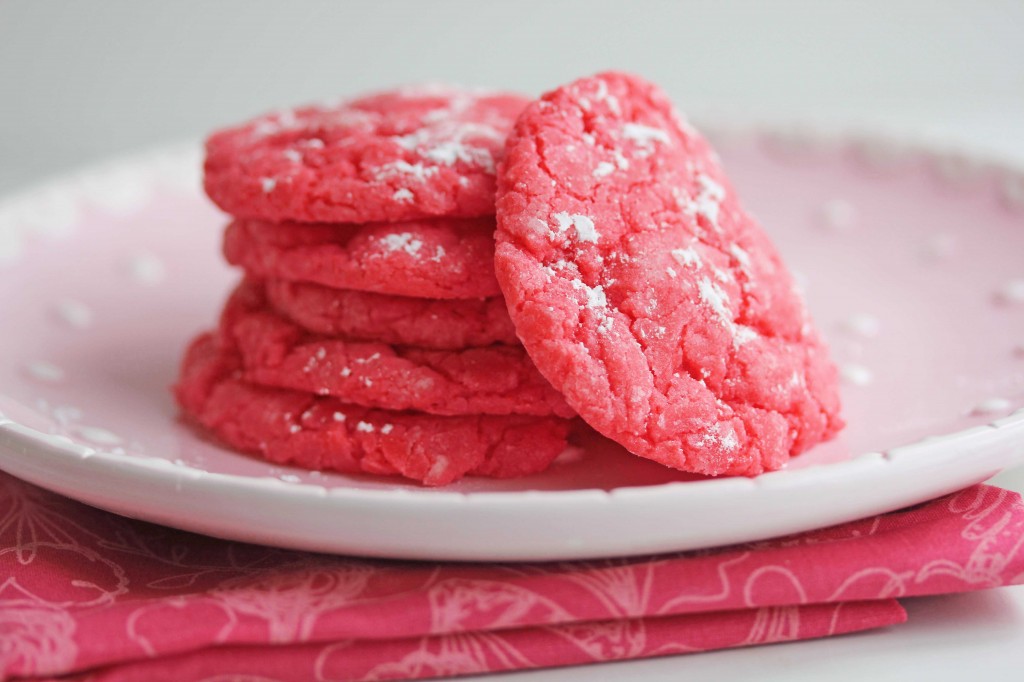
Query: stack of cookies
<point x="412" y="307"/>
<point x="369" y="333"/>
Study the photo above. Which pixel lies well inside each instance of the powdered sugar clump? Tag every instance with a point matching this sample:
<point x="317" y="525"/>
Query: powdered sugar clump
<point x="584" y="226"/>
<point x="416" y="170"/>
<point x="403" y="241"/>
<point x="712" y="295"/>
<point x="687" y="256"/>
<point x="644" y="136"/>
<point x="709" y="199"/>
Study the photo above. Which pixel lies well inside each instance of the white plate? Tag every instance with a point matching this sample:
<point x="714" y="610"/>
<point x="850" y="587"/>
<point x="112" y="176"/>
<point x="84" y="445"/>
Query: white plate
<point x="913" y="263"/>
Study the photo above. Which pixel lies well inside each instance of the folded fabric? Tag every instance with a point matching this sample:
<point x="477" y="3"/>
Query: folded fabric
<point x="94" y="596"/>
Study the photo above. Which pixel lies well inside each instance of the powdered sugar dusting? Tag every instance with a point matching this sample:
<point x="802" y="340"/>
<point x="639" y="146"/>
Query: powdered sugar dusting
<point x="364" y="427"/>
<point x="451" y="152"/>
<point x="687" y="257"/>
<point x="602" y="95"/>
<point x="713" y="296"/>
<point x="644" y="136"/>
<point x="714" y="437"/>
<point x="709" y="199"/>
<point x="403" y="195"/>
<point x="741" y="256"/>
<point x="584" y="226"/>
<point x="403" y="241"/>
<point x="597" y="302"/>
<point x="445" y="142"/>
<point x="268" y="185"/>
<point x="415" y="170"/>
<point x="595" y="295"/>
<point x="744" y="334"/>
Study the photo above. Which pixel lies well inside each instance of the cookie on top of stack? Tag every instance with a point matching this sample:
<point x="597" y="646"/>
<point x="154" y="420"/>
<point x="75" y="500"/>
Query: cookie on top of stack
<point x="369" y="334"/>
<point x="439" y="281"/>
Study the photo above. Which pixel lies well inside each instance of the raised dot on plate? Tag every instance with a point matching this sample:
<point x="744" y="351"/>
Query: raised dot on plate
<point x="991" y="406"/>
<point x="796" y="141"/>
<point x="879" y="153"/>
<point x="147" y="269"/>
<point x="940" y="246"/>
<point x="1012" y="292"/>
<point x="1012" y="190"/>
<point x="956" y="168"/>
<point x="11" y="244"/>
<point x="836" y="215"/>
<point x="73" y="313"/>
<point x="864" y="325"/>
<point x="44" y="371"/>
<point x="1018" y="350"/>
<point x="856" y="375"/>
<point x="119" y="188"/>
<point x="97" y="435"/>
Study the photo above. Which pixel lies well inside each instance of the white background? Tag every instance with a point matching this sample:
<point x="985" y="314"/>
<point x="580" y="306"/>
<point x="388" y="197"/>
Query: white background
<point x="80" y="81"/>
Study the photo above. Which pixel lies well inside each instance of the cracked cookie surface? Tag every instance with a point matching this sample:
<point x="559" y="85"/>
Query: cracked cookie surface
<point x="291" y="427"/>
<point x="403" y="154"/>
<point x="445" y="258"/>
<point x="490" y="380"/>
<point x="646" y="295"/>
<point x="402" y="320"/>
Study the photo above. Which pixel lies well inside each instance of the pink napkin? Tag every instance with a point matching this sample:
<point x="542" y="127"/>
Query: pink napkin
<point x="94" y="596"/>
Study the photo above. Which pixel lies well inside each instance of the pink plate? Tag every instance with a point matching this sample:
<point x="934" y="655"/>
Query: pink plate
<point x="913" y="263"/>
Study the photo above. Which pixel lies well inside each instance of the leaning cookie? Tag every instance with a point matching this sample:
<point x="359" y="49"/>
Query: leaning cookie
<point x="290" y="427"/>
<point x="400" y="155"/>
<point x="445" y="258"/>
<point x="644" y="292"/>
<point x="490" y="380"/>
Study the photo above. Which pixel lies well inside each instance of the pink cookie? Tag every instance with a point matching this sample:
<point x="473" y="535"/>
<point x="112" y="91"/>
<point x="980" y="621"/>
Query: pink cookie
<point x="644" y="292"/>
<point x="490" y="380"/>
<point x="363" y="316"/>
<point x="290" y="427"/>
<point x="445" y="258"/>
<point x="400" y="155"/>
